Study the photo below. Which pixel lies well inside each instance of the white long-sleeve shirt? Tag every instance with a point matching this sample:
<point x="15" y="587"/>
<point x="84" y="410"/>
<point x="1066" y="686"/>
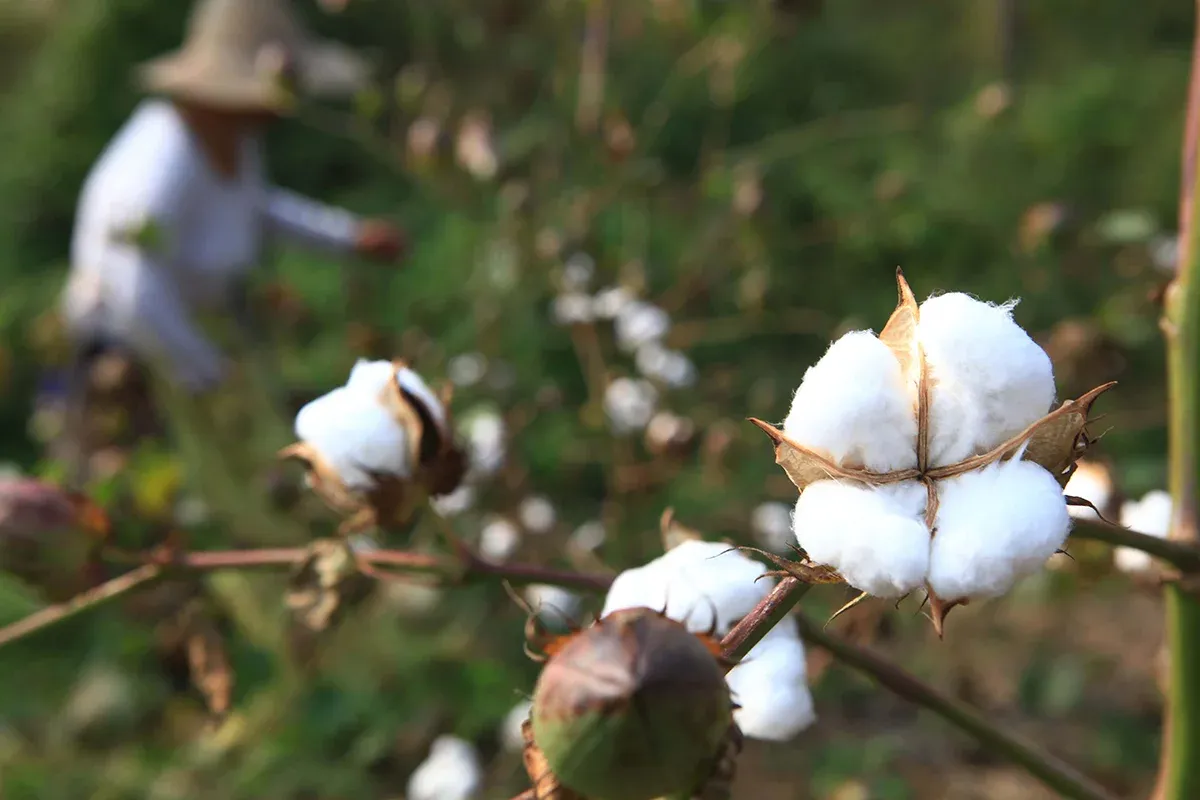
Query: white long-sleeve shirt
<point x="159" y="235"/>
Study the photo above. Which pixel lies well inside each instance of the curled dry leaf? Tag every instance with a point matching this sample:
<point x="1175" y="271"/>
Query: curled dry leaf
<point x="208" y="660"/>
<point x="323" y="584"/>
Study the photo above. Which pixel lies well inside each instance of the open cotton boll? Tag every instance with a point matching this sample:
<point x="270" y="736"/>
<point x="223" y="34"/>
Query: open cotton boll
<point x="355" y="435"/>
<point x="853" y="405"/>
<point x="771" y="686"/>
<point x="511" y="737"/>
<point x="691" y="581"/>
<point x="1152" y="516"/>
<point x="956" y="421"/>
<point x="450" y="772"/>
<point x="994" y="526"/>
<point x="874" y="537"/>
<point x="977" y="346"/>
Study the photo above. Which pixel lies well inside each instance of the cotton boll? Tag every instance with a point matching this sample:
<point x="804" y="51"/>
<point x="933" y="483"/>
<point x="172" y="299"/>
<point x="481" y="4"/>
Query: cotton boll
<point x="370" y="377"/>
<point x="572" y="308"/>
<point x="511" y="737"/>
<point x="994" y="526"/>
<point x="1092" y="483"/>
<point x="498" y="539"/>
<point x="589" y="536"/>
<point x="607" y="303"/>
<point x="466" y="369"/>
<point x="976" y="345"/>
<point x="853" y="406"/>
<point x="1152" y="516"/>
<point x="450" y="772"/>
<point x="638" y="323"/>
<point x="956" y="420"/>
<point x="874" y="537"/>
<point x="771" y="524"/>
<point x="691" y="582"/>
<point x="771" y="686"/>
<point x="484" y="432"/>
<point x="629" y="404"/>
<point x="537" y="514"/>
<point x="355" y="435"/>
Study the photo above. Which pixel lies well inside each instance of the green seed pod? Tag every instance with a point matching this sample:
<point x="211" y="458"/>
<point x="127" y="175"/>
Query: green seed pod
<point x="633" y="708"/>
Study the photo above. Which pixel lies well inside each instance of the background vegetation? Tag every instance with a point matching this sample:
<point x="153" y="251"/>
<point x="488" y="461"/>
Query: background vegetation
<point x="758" y="170"/>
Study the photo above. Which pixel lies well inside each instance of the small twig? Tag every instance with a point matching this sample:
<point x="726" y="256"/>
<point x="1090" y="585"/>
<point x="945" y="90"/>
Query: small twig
<point x="1059" y="776"/>
<point x="754" y="626"/>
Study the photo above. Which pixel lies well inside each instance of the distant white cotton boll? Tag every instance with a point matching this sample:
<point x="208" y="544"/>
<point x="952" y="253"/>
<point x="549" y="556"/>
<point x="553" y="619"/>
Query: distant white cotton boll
<point x="511" y="737"/>
<point x="498" y="539"/>
<point x="356" y="435"/>
<point x="451" y="771"/>
<point x="578" y="272"/>
<point x="457" y="502"/>
<point x="1152" y="516"/>
<point x="874" y="537"/>
<point x="691" y="581"/>
<point x="771" y="686"/>
<point x="467" y="369"/>
<point x="978" y="345"/>
<point x="537" y="514"/>
<point x="484" y="432"/>
<point x="553" y="601"/>
<point x="589" y="536"/>
<point x="572" y="308"/>
<point x="638" y="323"/>
<point x="771" y="524"/>
<point x="1091" y="482"/>
<point x="629" y="404"/>
<point x="854" y="407"/>
<point x="994" y="526"/>
<point x="668" y="366"/>
<point x="607" y="303"/>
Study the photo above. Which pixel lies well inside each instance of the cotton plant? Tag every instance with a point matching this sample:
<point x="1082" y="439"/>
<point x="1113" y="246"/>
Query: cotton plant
<point x="1150" y="515"/>
<point x="378" y="447"/>
<point x="928" y="456"/>
<point x="451" y="771"/>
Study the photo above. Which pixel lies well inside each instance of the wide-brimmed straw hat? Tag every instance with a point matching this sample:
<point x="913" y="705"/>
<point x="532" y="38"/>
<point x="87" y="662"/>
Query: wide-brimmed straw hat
<point x="251" y="55"/>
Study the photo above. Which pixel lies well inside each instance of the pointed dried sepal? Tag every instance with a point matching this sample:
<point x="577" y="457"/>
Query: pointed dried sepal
<point x="1083" y="502"/>
<point x="634" y="707"/>
<point x="1056" y="441"/>
<point x="804" y="466"/>
<point x="804" y="570"/>
<point x="853" y="603"/>
<point x="901" y="335"/>
<point x="939" y="608"/>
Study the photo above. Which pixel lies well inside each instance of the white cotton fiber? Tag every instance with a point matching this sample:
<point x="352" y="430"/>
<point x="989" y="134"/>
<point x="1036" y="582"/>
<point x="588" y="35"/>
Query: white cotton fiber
<point x="1152" y="516"/>
<point x="874" y="537"/>
<point x="415" y="385"/>
<point x="450" y="772"/>
<point x="976" y="351"/>
<point x="370" y="377"/>
<point x="771" y="686"/>
<point x="691" y="581"/>
<point x="355" y="435"/>
<point x="994" y="526"/>
<point x="853" y="406"/>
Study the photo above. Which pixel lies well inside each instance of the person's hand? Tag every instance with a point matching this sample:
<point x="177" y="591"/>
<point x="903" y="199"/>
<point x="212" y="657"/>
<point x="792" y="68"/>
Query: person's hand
<point x="380" y="240"/>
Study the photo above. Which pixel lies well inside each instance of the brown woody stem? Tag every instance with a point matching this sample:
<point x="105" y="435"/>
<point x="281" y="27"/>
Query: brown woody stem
<point x="1059" y="776"/>
<point x="1184" y="556"/>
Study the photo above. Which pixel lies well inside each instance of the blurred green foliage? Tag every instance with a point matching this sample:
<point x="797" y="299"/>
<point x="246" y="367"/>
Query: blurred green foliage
<point x="758" y="169"/>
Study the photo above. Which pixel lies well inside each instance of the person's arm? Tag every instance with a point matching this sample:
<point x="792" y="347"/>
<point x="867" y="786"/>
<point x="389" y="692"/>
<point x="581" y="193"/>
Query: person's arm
<point x="299" y="219"/>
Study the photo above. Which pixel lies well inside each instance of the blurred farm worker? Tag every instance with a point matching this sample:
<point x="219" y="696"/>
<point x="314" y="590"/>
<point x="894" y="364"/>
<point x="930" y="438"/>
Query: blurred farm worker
<point x="174" y="214"/>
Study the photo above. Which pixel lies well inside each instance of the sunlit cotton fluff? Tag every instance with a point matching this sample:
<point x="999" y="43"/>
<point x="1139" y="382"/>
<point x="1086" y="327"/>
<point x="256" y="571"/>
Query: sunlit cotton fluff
<point x="994" y="526"/>
<point x="451" y="771"/>
<point x="771" y="686"/>
<point x="1152" y="516"/>
<point x="853" y="407"/>
<point x="980" y="358"/>
<point x="874" y="537"/>
<point x="697" y="579"/>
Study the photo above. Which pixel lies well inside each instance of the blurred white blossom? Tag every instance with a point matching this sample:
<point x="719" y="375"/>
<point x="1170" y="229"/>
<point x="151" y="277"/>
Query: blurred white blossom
<point x="572" y="308"/>
<point x="537" y="514"/>
<point x="1152" y="516"/>
<point x="498" y="539"/>
<point x="467" y="369"/>
<point x="608" y="302"/>
<point x="451" y="771"/>
<point x="708" y="586"/>
<point x="484" y="431"/>
<point x="771" y="524"/>
<point x="667" y="431"/>
<point x="638" y="323"/>
<point x="668" y="366"/>
<point x="629" y="404"/>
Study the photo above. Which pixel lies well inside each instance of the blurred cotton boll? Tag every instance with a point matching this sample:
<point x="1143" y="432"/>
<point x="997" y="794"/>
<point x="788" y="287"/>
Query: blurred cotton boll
<point x="451" y="772"/>
<point x="669" y="433"/>
<point x="589" y="536"/>
<point x="1091" y="482"/>
<point x="537" y="514"/>
<point x="457" y="502"/>
<point x="854" y="407"/>
<point x="771" y="524"/>
<point x="498" y="539"/>
<point x="467" y="369"/>
<point x="577" y="272"/>
<point x="638" y="323"/>
<point x="572" y="308"/>
<point x="609" y="302"/>
<point x="474" y="149"/>
<point x="668" y="366"/>
<point x="629" y="404"/>
<point x="994" y="526"/>
<point x="553" y="602"/>
<point x="874" y="537"/>
<point x="1152" y="516"/>
<point x="484" y="431"/>
<point x="979" y="352"/>
<point x="511" y="737"/>
<point x="695" y="580"/>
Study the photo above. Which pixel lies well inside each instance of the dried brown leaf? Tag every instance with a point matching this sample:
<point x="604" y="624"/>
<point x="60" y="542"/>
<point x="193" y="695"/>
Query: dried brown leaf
<point x="322" y="583"/>
<point x="940" y="607"/>
<point x="1056" y="441"/>
<point x="804" y="466"/>
<point x="208" y="663"/>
